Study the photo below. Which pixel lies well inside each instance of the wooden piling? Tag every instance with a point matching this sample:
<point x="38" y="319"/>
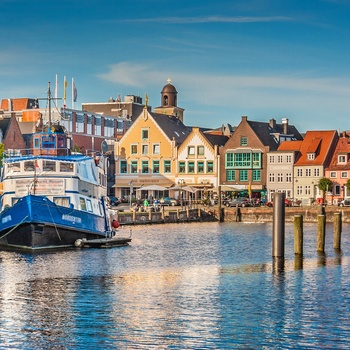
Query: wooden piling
<point x="337" y="230"/>
<point x="298" y="235"/>
<point x="321" y="233"/>
<point x="278" y="238"/>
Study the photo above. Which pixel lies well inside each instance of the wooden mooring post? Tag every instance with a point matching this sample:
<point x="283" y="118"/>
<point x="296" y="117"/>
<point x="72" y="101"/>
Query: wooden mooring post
<point x="298" y="235"/>
<point x="278" y="225"/>
<point x="337" y="230"/>
<point x="321" y="233"/>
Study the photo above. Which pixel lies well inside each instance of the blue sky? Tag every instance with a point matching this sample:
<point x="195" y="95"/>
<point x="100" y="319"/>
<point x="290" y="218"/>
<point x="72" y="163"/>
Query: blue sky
<point x="260" y="58"/>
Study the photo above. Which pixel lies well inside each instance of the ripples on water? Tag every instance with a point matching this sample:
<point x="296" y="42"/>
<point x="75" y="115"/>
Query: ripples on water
<point x="181" y="286"/>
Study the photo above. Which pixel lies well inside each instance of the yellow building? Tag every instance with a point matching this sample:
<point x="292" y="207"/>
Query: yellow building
<point x="147" y="155"/>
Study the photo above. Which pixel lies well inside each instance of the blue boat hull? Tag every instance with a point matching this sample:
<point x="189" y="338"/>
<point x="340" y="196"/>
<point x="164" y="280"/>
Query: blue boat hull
<point x="35" y="222"/>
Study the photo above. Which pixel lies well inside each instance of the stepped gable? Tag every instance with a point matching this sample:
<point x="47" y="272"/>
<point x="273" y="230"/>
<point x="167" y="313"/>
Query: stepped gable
<point x="171" y="126"/>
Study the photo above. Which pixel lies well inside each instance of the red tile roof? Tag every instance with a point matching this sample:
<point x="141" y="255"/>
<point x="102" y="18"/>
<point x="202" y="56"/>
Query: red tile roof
<point x="343" y="148"/>
<point x="290" y="145"/>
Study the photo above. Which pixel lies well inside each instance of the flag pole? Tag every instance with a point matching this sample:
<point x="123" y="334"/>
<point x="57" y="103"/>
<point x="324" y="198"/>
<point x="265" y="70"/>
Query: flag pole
<point x="72" y="93"/>
<point x="56" y="88"/>
<point x="65" y="92"/>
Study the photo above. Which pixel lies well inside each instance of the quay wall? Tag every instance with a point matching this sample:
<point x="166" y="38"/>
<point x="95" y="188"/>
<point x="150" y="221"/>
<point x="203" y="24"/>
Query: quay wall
<point x="265" y="214"/>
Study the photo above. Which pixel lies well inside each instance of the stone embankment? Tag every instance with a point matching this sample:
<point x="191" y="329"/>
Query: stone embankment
<point x="265" y="214"/>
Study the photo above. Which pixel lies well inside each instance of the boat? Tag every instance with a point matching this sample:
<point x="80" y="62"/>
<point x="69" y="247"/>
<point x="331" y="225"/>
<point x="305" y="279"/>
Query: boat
<point x="53" y="197"/>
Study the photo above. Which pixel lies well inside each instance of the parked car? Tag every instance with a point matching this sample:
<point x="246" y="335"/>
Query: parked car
<point x="240" y="201"/>
<point x="169" y="201"/>
<point x="345" y="202"/>
<point x="114" y="200"/>
<point x="287" y="203"/>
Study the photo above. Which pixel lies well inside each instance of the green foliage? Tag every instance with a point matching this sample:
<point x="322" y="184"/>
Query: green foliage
<point x="2" y="150"/>
<point x="348" y="185"/>
<point x="325" y="185"/>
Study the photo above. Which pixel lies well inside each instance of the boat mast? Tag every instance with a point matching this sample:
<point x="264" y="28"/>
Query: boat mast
<point x="49" y="99"/>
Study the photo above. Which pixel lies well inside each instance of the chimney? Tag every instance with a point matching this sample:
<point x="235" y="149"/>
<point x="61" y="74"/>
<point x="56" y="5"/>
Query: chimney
<point x="285" y="125"/>
<point x="272" y="123"/>
<point x="244" y="118"/>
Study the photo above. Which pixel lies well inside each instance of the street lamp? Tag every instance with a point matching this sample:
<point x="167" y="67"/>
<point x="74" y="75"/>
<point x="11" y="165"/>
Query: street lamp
<point x="181" y="182"/>
<point x="131" y="190"/>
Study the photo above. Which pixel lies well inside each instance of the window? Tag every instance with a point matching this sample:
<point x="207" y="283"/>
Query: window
<point x="191" y="151"/>
<point x="271" y="177"/>
<point x="344" y="174"/>
<point x="144" y="149"/>
<point x="333" y="174"/>
<point x="62" y="201"/>
<point x="341" y="158"/>
<point x="145" y="169"/>
<point x="66" y="167"/>
<point x="182" y="167"/>
<point x="316" y="172"/>
<point x="243" y="175"/>
<point x="167" y="166"/>
<point x="242" y="160"/>
<point x="133" y="149"/>
<point x="311" y="156"/>
<point x="307" y="190"/>
<point x="200" y="167"/>
<point x="210" y="167"/>
<point x="337" y="190"/>
<point x="133" y="167"/>
<point x="289" y="177"/>
<point x="49" y="165"/>
<point x="82" y="203"/>
<point x="256" y="160"/>
<point x="272" y="159"/>
<point x="230" y="175"/>
<point x="123" y="167"/>
<point x="13" y="167"/>
<point x="200" y="150"/>
<point x="190" y="167"/>
<point x="288" y="158"/>
<point x="279" y="159"/>
<point x="279" y="177"/>
<point x="144" y="134"/>
<point x="308" y="172"/>
<point x="156" y="148"/>
<point x="256" y="175"/>
<point x="244" y="141"/>
<point x="29" y="165"/>
<point x="156" y="167"/>
<point x="300" y="172"/>
<point x="229" y="160"/>
<point x="89" y="205"/>
<point x="299" y="190"/>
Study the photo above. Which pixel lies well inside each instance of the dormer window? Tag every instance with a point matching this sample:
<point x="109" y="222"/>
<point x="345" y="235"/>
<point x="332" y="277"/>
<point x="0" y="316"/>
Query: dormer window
<point x="311" y="156"/>
<point x="244" y="141"/>
<point x="341" y="159"/>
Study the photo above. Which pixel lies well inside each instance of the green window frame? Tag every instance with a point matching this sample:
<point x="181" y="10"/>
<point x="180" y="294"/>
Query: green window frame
<point x="156" y="167"/>
<point x="200" y="167"/>
<point x="256" y="175"/>
<point x="243" y="175"/>
<point x="144" y="134"/>
<point x="145" y="168"/>
<point x="190" y="167"/>
<point x="123" y="167"/>
<point x="210" y="167"/>
<point x="182" y="167"/>
<point x="167" y="166"/>
<point x="244" y="141"/>
<point x="230" y="175"/>
<point x="133" y="167"/>
<point x="229" y="160"/>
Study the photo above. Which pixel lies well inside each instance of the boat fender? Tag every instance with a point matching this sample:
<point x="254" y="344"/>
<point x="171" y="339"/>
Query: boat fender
<point x="78" y="243"/>
<point x="115" y="223"/>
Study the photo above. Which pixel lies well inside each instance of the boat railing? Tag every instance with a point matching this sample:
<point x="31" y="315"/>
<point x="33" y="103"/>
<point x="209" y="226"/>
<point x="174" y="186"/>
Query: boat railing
<point x="10" y="153"/>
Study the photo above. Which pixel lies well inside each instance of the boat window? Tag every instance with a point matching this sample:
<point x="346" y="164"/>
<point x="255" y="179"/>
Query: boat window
<point x="62" y="201"/>
<point x="89" y="205"/>
<point x="66" y="167"/>
<point x="82" y="204"/>
<point x="49" y="165"/>
<point x="14" y="167"/>
<point x="29" y="165"/>
<point x="48" y="141"/>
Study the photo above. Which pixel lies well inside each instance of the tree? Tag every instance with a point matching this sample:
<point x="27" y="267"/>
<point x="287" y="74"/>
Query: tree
<point x="325" y="185"/>
<point x="2" y="149"/>
<point x="347" y="185"/>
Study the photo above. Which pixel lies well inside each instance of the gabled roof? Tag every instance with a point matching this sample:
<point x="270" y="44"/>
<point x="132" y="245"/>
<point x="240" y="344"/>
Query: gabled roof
<point x="343" y="148"/>
<point x="171" y="126"/>
<point x="218" y="140"/>
<point x="290" y="145"/>
<point x="266" y="132"/>
<point x="324" y="140"/>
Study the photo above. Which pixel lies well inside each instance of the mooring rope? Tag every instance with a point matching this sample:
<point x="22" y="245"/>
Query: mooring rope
<point x="14" y="227"/>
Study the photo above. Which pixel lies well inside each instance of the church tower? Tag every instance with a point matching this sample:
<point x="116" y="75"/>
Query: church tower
<point x="169" y="102"/>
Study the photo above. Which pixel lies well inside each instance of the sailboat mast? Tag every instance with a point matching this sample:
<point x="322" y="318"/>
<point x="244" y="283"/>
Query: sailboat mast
<point x="49" y="98"/>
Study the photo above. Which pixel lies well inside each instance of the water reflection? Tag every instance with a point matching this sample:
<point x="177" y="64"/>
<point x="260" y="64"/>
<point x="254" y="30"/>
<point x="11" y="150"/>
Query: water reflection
<point x="181" y="287"/>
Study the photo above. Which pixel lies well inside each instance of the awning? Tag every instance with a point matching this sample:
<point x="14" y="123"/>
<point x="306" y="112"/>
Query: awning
<point x="183" y="188"/>
<point x="152" y="188"/>
<point x="227" y="188"/>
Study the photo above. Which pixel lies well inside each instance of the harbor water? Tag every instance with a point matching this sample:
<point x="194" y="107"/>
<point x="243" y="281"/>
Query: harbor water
<point x="180" y="286"/>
